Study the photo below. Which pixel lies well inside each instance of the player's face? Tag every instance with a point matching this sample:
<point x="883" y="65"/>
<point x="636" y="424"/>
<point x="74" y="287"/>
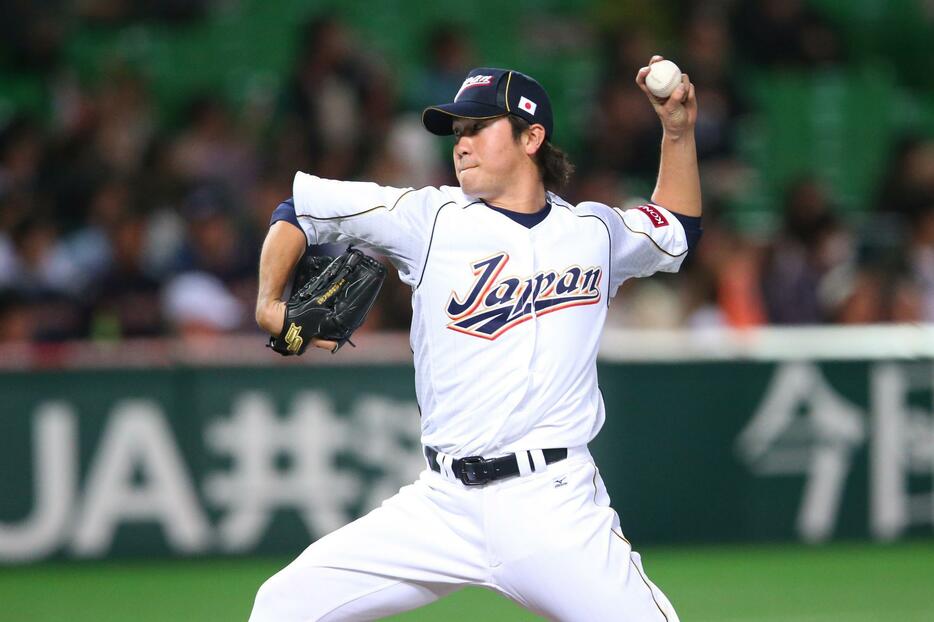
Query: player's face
<point x="485" y="155"/>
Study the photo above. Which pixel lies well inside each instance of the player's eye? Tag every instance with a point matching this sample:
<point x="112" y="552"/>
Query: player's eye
<point x="468" y="129"/>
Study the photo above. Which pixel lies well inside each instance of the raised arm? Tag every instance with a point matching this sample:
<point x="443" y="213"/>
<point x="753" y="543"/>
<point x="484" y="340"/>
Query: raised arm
<point x="678" y="187"/>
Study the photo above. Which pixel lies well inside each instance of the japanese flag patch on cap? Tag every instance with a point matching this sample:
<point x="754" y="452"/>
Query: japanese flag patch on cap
<point x="528" y="105"/>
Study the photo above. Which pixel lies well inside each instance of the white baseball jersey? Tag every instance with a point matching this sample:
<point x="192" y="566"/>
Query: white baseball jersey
<point x="506" y="319"/>
<point x="506" y="323"/>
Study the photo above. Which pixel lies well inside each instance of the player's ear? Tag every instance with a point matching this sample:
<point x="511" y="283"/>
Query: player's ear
<point x="533" y="138"/>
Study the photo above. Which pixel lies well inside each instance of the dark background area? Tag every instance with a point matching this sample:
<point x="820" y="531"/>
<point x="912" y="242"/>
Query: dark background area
<point x="143" y="146"/>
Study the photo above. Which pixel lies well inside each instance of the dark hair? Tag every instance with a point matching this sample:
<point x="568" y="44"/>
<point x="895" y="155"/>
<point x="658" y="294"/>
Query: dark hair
<point x="553" y="164"/>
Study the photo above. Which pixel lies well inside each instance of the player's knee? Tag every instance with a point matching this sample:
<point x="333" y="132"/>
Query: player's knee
<point x="278" y="601"/>
<point x="262" y="604"/>
<point x="290" y="596"/>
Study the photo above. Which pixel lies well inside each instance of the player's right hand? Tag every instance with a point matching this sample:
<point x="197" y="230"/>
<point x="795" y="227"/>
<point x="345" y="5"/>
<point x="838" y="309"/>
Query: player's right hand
<point x="330" y="346"/>
<point x="678" y="112"/>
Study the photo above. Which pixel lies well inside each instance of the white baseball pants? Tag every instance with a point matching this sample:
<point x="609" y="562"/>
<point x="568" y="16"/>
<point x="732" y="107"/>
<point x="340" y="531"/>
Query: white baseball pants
<point x="548" y="541"/>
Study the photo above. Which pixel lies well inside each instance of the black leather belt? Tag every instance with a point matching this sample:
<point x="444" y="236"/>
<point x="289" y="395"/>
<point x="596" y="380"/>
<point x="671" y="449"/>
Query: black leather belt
<point x="476" y="470"/>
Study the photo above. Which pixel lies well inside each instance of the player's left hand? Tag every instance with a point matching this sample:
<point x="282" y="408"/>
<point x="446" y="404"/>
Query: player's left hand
<point x="331" y="305"/>
<point x="678" y="111"/>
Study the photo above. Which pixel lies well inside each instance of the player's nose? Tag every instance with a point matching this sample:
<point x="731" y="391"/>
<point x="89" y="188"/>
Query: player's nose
<point x="462" y="145"/>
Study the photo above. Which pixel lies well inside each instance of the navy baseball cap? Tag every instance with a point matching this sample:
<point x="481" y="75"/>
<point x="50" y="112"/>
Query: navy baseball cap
<point x="489" y="93"/>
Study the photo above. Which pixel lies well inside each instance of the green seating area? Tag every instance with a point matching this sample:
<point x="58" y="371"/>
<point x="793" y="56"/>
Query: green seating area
<point x="837" y="123"/>
<point x="247" y="51"/>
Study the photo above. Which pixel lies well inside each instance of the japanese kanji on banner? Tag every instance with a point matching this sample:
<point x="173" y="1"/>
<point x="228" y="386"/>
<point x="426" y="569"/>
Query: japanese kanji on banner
<point x="257" y="460"/>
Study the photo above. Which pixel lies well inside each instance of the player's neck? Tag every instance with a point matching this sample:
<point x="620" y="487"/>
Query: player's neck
<point x="527" y="198"/>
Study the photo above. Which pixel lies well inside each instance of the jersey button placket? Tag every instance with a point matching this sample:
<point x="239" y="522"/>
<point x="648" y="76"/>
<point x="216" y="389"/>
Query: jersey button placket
<point x="525" y="354"/>
<point x="535" y="264"/>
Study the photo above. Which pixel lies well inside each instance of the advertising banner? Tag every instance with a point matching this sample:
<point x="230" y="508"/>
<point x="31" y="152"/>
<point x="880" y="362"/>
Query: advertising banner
<point x="233" y="460"/>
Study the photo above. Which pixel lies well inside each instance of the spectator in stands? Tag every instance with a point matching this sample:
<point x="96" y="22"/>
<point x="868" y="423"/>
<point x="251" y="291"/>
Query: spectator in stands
<point x="601" y="184"/>
<point x="921" y="267"/>
<point x="88" y="250"/>
<point x="621" y="134"/>
<point x="21" y="152"/>
<point x="264" y="196"/>
<point x="127" y="297"/>
<point x="32" y="34"/>
<point x="215" y="242"/>
<point x="210" y="147"/>
<point x="722" y="284"/>
<point x="448" y="57"/>
<point x="407" y="157"/>
<point x="17" y="322"/>
<point x="338" y="100"/>
<point x="35" y="242"/>
<point x="785" y="33"/>
<point x="41" y="279"/>
<point x="114" y="12"/>
<point x="708" y="59"/>
<point x="881" y="292"/>
<point x="196" y="305"/>
<point x="812" y="244"/>
<point x="623" y="49"/>
<point x="908" y="185"/>
<point x="125" y="119"/>
<point x="99" y="197"/>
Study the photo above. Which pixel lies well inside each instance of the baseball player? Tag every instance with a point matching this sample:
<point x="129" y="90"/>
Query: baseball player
<point x="510" y="288"/>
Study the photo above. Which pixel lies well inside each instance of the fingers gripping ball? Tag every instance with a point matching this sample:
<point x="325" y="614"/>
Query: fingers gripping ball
<point x="332" y="304"/>
<point x="663" y="78"/>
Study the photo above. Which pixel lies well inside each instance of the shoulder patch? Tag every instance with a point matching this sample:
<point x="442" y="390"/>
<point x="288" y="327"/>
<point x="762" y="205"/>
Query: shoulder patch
<point x="658" y="220"/>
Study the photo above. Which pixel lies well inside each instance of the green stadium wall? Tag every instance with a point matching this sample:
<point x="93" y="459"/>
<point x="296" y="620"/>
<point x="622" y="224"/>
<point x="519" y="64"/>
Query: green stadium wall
<point x="191" y="461"/>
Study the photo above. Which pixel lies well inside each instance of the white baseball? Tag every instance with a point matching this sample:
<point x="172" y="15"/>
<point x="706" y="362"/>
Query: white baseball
<point x="663" y="78"/>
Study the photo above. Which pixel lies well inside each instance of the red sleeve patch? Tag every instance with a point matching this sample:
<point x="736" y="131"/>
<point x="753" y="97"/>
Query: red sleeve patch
<point x="654" y="215"/>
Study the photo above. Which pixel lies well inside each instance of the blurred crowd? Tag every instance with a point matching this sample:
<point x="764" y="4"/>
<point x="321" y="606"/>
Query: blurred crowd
<point x="115" y="224"/>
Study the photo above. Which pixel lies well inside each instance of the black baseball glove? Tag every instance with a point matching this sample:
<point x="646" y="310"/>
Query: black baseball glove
<point x="332" y="304"/>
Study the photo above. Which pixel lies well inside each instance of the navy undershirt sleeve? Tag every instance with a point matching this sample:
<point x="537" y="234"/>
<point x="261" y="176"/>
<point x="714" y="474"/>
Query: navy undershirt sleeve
<point x="692" y="228"/>
<point x="286" y="212"/>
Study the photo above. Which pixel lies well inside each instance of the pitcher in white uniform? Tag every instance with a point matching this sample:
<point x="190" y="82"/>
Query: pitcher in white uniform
<point x="510" y="288"/>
